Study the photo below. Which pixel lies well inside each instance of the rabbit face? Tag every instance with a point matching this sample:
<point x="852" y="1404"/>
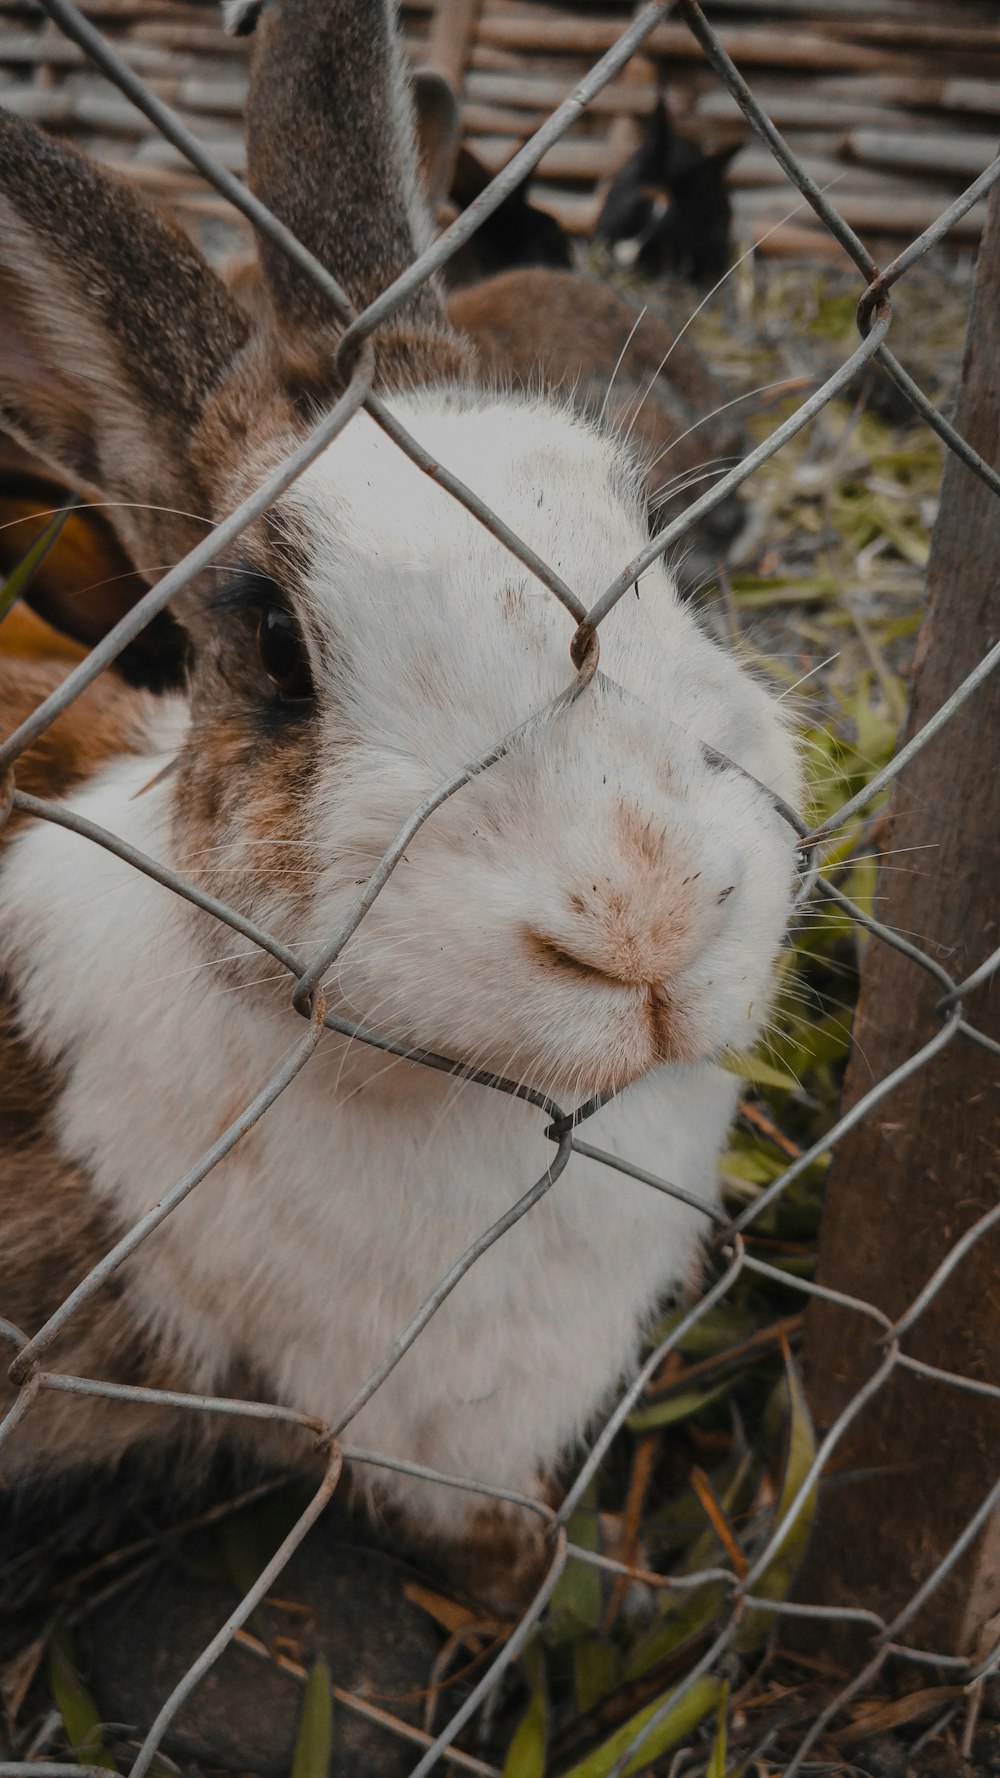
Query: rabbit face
<point x="599" y="901"/>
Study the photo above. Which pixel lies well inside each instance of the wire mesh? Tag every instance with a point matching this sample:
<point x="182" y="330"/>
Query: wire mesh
<point x="305" y="973"/>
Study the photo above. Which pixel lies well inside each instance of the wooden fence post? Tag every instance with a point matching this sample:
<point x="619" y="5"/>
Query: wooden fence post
<point x="925" y="1164"/>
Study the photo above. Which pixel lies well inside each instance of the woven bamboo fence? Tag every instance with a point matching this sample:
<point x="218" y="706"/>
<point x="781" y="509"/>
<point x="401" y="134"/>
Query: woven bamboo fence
<point x="895" y="104"/>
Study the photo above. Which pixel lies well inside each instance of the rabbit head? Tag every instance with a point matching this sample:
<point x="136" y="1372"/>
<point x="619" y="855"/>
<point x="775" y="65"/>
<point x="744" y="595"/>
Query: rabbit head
<point x="668" y="209"/>
<point x="517" y="233"/>
<point x="609" y="895"/>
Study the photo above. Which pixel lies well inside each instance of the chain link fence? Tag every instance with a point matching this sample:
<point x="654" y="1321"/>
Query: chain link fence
<point x="565" y="1132"/>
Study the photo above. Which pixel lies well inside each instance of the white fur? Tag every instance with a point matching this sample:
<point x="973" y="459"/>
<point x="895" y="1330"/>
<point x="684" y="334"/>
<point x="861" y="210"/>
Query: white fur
<point x="312" y="1246"/>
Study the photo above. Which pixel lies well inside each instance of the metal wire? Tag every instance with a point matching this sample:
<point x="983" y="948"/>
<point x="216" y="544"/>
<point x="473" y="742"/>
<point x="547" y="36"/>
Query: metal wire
<point x="305" y="974"/>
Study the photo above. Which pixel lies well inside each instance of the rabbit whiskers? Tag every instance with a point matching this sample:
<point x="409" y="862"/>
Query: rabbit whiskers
<point x="717" y="286"/>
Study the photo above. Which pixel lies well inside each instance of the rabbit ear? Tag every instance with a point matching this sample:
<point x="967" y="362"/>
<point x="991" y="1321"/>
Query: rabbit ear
<point x="331" y="150"/>
<point x="438" y="132"/>
<point x="659" y="137"/>
<point x="720" y="158"/>
<point x="115" y="333"/>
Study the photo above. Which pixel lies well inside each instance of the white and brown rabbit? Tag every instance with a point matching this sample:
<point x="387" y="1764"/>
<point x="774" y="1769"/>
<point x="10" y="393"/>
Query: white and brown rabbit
<point x="601" y="909"/>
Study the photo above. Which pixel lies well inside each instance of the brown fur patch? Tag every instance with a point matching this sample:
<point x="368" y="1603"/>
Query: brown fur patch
<point x="641" y="844"/>
<point x="246" y="848"/>
<point x="502" y="1556"/>
<point x="106" y="720"/>
<point x="52" y="1232"/>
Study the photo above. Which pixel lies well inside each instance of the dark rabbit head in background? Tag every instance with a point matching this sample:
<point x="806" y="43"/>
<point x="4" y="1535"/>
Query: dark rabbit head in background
<point x="668" y="211"/>
<point x="517" y="233"/>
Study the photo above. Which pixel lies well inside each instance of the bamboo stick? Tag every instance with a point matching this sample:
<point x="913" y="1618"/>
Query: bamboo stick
<point x="571" y="35"/>
<point x="964" y="157"/>
<point x="872" y="216"/>
<point x="791" y="111"/>
<point x="913" y="33"/>
<point x="542" y="92"/>
<point x="950" y="93"/>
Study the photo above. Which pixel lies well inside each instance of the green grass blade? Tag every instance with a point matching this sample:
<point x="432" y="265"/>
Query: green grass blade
<point x="676" y="1407"/>
<point x="690" y="1710"/>
<point x="23" y="572"/>
<point x="716" y="1767"/>
<point x="776" y="1580"/>
<point x="314" y="1740"/>
<point x="80" y="1715"/>
<point x="577" y="1602"/>
<point x="528" y="1747"/>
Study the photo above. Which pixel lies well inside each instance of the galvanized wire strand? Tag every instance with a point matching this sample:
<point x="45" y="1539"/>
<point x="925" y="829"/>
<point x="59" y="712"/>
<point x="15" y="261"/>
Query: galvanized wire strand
<point x="436" y="472"/>
<point x="890" y="936"/>
<point x="809" y="1287"/>
<point x="379" y="877"/>
<point x="465" y="1484"/>
<point x="967" y="1537"/>
<point x="860" y="1683"/>
<point x="282" y="1076"/>
<point x="824" y="1450"/>
<point x="934" y="233"/>
<point x="676" y="1694"/>
<point x="49" y="1768"/>
<point x="514" y="172"/>
<point x="975" y="1385"/>
<point x="623" y="1408"/>
<point x="60" y="815"/>
<point x="976" y="980"/>
<point x="179" y="1398"/>
<point x="455" y="1273"/>
<point x="514" y="1645"/>
<point x="926" y="410"/>
<point x="607" y="1159"/>
<point x="238" y="1617"/>
<point x="70" y="20"/>
<point x="978" y="1037"/>
<point x="679" y="1583"/>
<point x="734" y="478"/>
<point x="860" y="1109"/>
<point x="759" y="121"/>
<point x="19" y="1408"/>
<point x="988" y="1663"/>
<point x="929" y="1657"/>
<point x="952" y="1260"/>
<point x="916" y="744"/>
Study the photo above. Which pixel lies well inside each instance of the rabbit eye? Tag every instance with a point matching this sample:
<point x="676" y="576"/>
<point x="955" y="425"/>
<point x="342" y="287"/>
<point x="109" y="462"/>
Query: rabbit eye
<point x="283" y="654"/>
